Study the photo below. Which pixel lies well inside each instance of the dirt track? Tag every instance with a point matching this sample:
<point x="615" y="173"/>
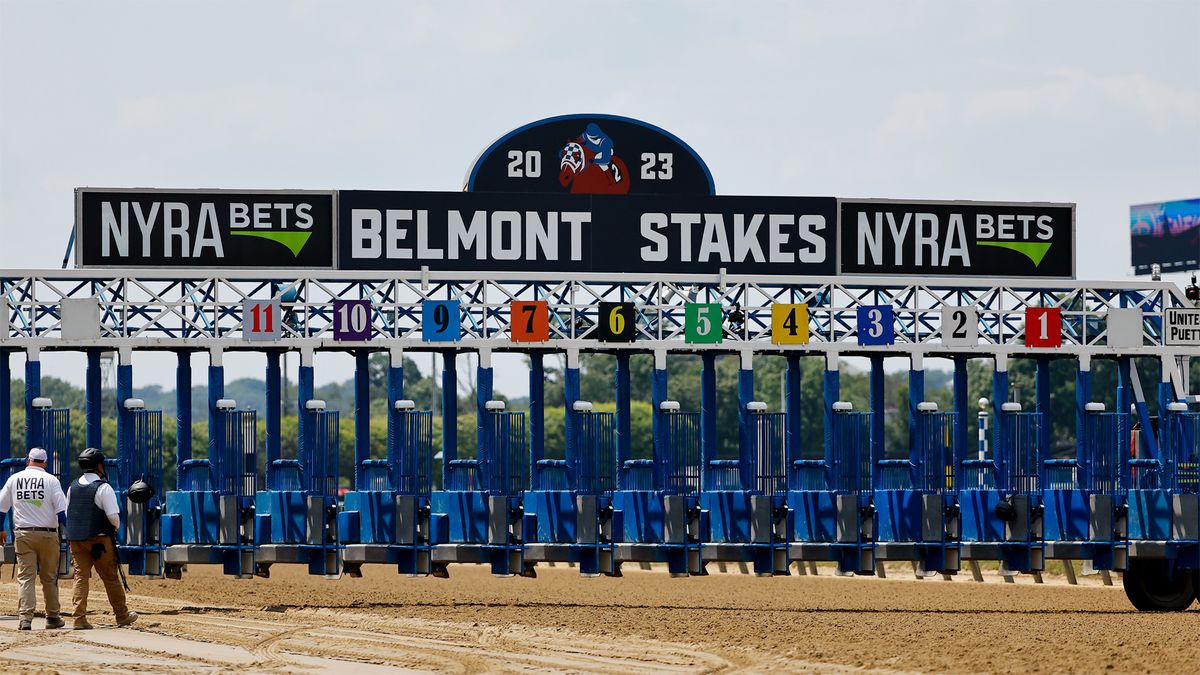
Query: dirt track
<point x="645" y="621"/>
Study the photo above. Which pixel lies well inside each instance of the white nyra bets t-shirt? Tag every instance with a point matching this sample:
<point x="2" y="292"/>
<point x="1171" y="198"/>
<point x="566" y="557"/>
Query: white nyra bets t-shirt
<point x="35" y="498"/>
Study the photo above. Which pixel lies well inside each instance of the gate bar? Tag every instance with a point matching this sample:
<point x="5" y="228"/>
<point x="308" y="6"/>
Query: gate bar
<point x="92" y="399"/>
<point x="5" y="405"/>
<point x="483" y="394"/>
<point x="449" y="410"/>
<point x="124" y="393"/>
<point x="624" y="425"/>
<point x="570" y="396"/>
<point x="916" y="420"/>
<point x="708" y="413"/>
<point x="878" y="397"/>
<point x="658" y="425"/>
<point x="304" y="416"/>
<point x="1124" y="395"/>
<point x="791" y="406"/>
<point x="832" y="390"/>
<point x="1042" y="392"/>
<point x="362" y="411"/>
<point x="183" y="409"/>
<point x="216" y="392"/>
<point x="537" y="407"/>
<point x="999" y="397"/>
<point x="746" y="421"/>
<point x="1083" y="396"/>
<point x="961" y="410"/>
<point x="33" y="389"/>
<point x="395" y="393"/>
<point x="274" y="411"/>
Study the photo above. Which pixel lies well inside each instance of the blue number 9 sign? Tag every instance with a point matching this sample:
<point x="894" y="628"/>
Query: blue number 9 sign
<point x="441" y="321"/>
<point x="876" y="325"/>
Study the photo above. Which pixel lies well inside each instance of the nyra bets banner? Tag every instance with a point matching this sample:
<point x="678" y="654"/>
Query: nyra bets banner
<point x="204" y="228"/>
<point x="651" y="234"/>
<point x="957" y="239"/>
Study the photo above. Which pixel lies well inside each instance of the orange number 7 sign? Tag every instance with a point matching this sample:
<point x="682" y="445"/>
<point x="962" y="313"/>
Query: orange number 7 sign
<point x="529" y="321"/>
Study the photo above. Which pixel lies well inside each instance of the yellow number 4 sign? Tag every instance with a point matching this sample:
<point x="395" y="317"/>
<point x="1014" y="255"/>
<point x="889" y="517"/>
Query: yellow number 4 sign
<point x="789" y="324"/>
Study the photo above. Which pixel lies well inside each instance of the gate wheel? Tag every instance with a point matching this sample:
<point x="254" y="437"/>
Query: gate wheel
<point x="1158" y="586"/>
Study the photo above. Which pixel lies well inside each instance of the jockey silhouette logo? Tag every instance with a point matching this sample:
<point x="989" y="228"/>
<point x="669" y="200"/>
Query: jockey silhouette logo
<point x="589" y="164"/>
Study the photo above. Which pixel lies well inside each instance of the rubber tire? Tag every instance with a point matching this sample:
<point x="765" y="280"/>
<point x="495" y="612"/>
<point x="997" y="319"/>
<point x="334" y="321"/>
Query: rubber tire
<point x="1150" y="586"/>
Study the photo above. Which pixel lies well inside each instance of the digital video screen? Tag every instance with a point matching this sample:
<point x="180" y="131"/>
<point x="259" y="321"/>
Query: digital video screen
<point x="1167" y="233"/>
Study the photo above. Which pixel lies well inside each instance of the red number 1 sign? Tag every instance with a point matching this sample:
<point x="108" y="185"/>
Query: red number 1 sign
<point x="1043" y="327"/>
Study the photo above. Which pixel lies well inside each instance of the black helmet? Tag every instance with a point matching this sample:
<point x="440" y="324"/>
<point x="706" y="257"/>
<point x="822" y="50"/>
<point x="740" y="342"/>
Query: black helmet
<point x="90" y="459"/>
<point x="140" y="492"/>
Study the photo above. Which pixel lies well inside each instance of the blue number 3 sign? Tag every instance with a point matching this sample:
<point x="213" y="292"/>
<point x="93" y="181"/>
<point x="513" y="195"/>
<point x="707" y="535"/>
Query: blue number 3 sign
<point x="876" y="325"/>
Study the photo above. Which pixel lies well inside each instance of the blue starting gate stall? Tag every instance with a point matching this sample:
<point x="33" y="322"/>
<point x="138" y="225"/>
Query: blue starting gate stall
<point x="568" y="508"/>
<point x="916" y="509"/>
<point x="755" y="485"/>
<point x="656" y="499"/>
<point x="295" y="517"/>
<point x="477" y="517"/>
<point x="1164" y="517"/>
<point x="830" y="498"/>
<point x="1000" y="496"/>
<point x="1163" y="492"/>
<point x="386" y="518"/>
<point x="1084" y="497"/>
<point x="742" y="515"/>
<point x="210" y="517"/>
<point x="139" y="465"/>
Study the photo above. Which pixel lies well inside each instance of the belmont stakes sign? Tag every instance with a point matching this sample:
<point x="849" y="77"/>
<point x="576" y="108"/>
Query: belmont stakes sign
<point x="574" y="194"/>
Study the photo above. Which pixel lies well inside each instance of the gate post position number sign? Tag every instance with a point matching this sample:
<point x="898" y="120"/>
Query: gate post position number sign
<point x="260" y="320"/>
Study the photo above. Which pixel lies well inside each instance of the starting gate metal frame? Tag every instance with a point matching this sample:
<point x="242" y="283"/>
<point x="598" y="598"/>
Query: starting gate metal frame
<point x="165" y="310"/>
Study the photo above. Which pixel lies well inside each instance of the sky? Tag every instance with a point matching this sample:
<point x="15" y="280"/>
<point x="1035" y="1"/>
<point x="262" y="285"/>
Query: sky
<point x="1095" y="103"/>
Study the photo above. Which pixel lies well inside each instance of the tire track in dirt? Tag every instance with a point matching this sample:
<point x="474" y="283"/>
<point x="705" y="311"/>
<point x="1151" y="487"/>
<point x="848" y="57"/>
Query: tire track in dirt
<point x="437" y="645"/>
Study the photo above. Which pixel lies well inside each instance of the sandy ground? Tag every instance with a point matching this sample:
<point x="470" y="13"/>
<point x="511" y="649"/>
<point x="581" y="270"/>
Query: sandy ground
<point x="643" y="622"/>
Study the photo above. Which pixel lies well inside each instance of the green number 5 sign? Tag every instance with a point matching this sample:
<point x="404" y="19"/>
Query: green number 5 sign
<point x="702" y="323"/>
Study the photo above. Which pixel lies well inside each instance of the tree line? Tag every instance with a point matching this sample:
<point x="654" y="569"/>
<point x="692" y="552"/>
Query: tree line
<point x="597" y="385"/>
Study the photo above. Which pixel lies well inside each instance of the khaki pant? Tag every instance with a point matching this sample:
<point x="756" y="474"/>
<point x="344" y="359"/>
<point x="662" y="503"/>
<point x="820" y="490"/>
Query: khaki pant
<point x="37" y="556"/>
<point x="106" y="567"/>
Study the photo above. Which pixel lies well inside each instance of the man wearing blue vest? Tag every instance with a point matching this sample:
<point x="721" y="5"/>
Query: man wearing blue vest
<point x="92" y="521"/>
<point x="36" y="501"/>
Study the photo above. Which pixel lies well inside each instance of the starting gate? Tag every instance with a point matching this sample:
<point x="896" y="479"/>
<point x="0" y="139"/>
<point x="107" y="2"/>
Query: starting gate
<point x="139" y="459"/>
<point x="477" y="517"/>
<point x="296" y="516"/>
<point x="1084" y="497"/>
<point x="568" y="511"/>
<point x="1000" y="497"/>
<point x="210" y="518"/>
<point x="831" y="497"/>
<point x="385" y="520"/>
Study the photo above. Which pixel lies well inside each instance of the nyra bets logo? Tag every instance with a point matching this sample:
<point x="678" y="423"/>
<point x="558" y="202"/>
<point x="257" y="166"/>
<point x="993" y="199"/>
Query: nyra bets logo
<point x="589" y="164"/>
<point x="206" y="228"/>
<point x="957" y="238"/>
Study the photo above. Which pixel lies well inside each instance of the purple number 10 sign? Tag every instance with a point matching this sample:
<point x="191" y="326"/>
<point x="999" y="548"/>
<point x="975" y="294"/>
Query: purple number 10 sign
<point x="351" y="320"/>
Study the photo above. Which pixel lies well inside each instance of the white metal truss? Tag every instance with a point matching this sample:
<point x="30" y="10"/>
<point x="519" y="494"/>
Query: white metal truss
<point x="154" y="309"/>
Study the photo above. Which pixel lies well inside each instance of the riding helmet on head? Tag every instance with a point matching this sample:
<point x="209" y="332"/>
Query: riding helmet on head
<point x="90" y="459"/>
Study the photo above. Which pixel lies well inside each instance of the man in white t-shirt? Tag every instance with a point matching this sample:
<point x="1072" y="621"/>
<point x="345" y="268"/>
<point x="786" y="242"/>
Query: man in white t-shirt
<point x="36" y="500"/>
